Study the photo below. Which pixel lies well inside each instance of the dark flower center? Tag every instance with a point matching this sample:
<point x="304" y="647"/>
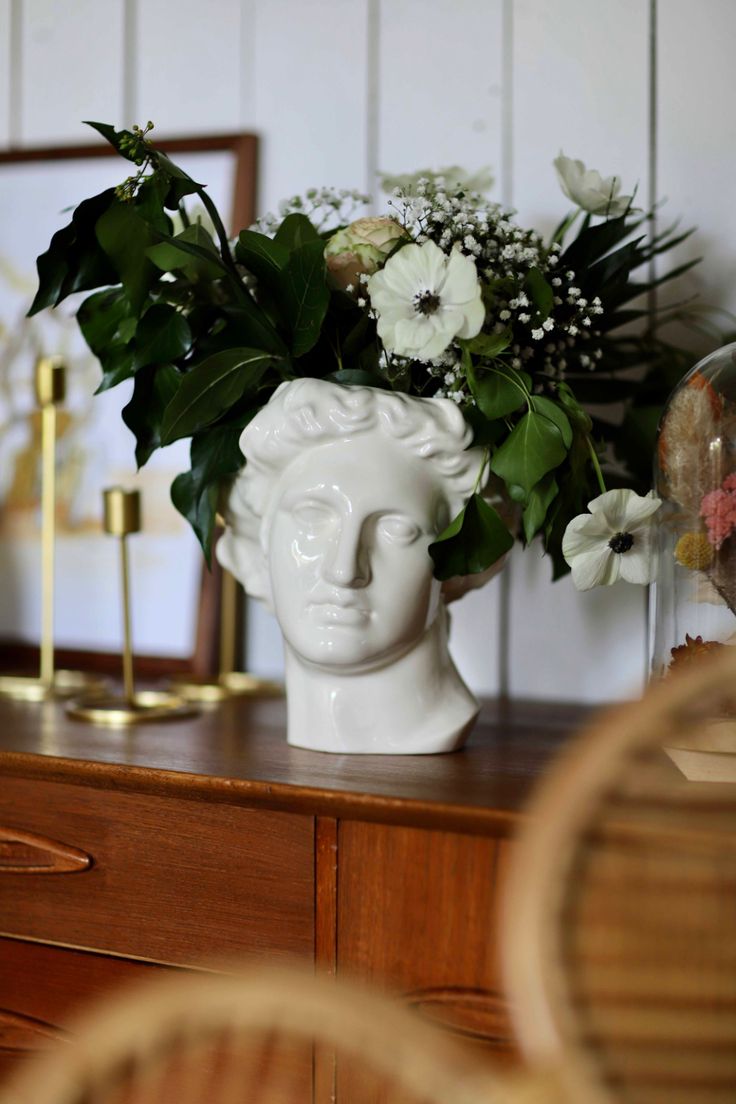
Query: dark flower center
<point x="621" y="542"/>
<point x="426" y="302"/>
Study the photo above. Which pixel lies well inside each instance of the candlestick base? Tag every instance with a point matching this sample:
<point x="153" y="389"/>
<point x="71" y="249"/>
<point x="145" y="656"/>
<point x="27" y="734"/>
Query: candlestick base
<point x="146" y="706"/>
<point x="233" y="684"/>
<point x="65" y="684"/>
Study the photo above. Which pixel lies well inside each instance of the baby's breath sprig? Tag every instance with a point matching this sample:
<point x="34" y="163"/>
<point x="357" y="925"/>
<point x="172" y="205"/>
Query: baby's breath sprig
<point x="326" y="208"/>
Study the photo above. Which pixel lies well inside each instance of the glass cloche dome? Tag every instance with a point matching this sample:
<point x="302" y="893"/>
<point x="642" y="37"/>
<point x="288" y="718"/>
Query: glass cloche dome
<point x="695" y="592"/>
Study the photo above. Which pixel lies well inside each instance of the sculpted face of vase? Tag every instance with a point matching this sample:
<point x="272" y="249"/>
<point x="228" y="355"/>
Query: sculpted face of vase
<point x="351" y="576"/>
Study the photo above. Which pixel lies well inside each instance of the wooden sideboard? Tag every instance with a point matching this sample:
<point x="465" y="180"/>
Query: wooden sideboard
<point x="192" y="843"/>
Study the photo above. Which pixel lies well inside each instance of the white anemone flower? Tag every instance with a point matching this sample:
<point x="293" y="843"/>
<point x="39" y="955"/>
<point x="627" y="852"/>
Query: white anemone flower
<point x="614" y="541"/>
<point x="424" y="298"/>
<point x="589" y="190"/>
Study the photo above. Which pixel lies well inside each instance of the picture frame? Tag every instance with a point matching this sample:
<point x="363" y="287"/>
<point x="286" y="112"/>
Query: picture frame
<point x="174" y="597"/>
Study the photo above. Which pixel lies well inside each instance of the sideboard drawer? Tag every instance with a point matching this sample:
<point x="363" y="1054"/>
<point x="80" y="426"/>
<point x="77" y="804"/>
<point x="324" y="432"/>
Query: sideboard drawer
<point x="41" y="987"/>
<point x="166" y="879"/>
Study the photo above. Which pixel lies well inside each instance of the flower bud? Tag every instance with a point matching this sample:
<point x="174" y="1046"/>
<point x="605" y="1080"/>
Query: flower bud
<point x="359" y="248"/>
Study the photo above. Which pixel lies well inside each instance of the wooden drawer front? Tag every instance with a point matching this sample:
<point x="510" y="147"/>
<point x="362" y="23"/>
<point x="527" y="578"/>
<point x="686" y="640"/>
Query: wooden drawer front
<point x="44" y="991"/>
<point x="40" y="987"/>
<point x="416" y="910"/>
<point x="154" y="877"/>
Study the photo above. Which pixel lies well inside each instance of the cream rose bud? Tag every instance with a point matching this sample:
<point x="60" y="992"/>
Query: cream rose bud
<point x="360" y="248"/>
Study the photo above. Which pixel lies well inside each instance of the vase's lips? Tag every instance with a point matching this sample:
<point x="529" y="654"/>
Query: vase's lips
<point x="335" y="612"/>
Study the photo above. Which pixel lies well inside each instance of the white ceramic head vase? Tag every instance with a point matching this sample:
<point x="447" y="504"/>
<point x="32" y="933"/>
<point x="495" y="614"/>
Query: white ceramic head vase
<point x="329" y="523"/>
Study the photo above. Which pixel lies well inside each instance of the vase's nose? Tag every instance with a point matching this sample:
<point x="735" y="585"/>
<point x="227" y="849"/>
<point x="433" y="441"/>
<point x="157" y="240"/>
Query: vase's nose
<point x="346" y="562"/>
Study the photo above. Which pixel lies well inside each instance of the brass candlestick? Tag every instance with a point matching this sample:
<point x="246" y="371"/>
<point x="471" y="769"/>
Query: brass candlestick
<point x="229" y="682"/>
<point x="50" y="387"/>
<point x="122" y="516"/>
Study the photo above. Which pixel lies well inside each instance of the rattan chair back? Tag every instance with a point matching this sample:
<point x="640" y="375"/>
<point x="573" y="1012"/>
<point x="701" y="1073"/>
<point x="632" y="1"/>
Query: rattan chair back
<point x="619" y="926"/>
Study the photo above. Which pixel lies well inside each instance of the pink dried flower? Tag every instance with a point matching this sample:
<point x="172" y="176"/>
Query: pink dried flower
<point x="719" y="510"/>
<point x="729" y="483"/>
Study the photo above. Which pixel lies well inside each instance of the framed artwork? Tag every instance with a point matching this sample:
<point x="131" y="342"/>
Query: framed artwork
<point x="173" y="614"/>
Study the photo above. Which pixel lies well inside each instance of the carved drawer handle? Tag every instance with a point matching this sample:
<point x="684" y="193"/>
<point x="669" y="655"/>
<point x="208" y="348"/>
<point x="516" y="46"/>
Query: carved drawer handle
<point x="26" y="853"/>
<point x="20" y="1033"/>
<point x="474" y="1013"/>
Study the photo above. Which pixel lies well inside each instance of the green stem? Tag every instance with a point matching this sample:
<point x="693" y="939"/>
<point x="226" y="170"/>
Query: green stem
<point x="596" y="465"/>
<point x="225" y="252"/>
<point x="486" y="459"/>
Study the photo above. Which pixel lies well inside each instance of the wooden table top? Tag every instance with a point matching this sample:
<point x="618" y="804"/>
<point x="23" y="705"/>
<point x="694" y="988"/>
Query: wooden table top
<point x="237" y="753"/>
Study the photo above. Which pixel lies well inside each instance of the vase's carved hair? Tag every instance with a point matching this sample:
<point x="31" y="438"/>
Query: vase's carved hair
<point x="311" y="412"/>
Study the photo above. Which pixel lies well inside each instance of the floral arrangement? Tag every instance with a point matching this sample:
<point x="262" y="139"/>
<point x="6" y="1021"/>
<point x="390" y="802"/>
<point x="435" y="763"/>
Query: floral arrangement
<point x="445" y="295"/>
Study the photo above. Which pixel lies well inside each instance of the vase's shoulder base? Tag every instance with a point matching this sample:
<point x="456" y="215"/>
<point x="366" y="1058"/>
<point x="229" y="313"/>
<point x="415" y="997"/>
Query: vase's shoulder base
<point x="427" y="743"/>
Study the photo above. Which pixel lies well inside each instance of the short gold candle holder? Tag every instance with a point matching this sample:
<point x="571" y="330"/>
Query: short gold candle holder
<point x="122" y="516"/>
<point x="50" y="387"/>
<point x="229" y="683"/>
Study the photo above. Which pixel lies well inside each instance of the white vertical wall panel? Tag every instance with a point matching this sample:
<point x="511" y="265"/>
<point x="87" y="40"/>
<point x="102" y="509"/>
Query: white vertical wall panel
<point x="696" y="140"/>
<point x="566" y="646"/>
<point x="188" y="63"/>
<point x="71" y="69"/>
<point x="439" y="89"/>
<point x="580" y="83"/>
<point x="6" y="72"/>
<point x="440" y="85"/>
<point x="310" y="86"/>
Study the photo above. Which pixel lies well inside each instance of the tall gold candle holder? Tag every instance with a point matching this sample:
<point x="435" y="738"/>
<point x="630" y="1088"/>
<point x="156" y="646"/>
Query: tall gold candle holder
<point x="229" y="682"/>
<point x="122" y="516"/>
<point x="50" y="388"/>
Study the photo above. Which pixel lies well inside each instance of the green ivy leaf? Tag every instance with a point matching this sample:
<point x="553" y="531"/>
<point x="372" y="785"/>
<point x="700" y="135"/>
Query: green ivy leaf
<point x="211" y="388"/>
<point x="577" y="415"/>
<point x="539" y="500"/>
<point x="149" y="202"/>
<point x="485" y="432"/>
<point x="198" y="507"/>
<point x="296" y="230"/>
<point x="105" y="320"/>
<point x="190" y="246"/>
<point x="125" y="237"/>
<point x="74" y="260"/>
<point x="205" y="264"/>
<point x="114" y="137"/>
<point x="215" y="452"/>
<point x="305" y="294"/>
<point x="500" y="390"/>
<point x="117" y="365"/>
<point x="153" y="390"/>
<point x="162" y="335"/>
<point x="488" y="346"/>
<point x="472" y="541"/>
<point x="215" y="457"/>
<point x="533" y="448"/>
<point x="108" y="326"/>
<point x="263" y="256"/>
<point x="359" y="377"/>
<point x="551" y="410"/>
<point x="540" y="293"/>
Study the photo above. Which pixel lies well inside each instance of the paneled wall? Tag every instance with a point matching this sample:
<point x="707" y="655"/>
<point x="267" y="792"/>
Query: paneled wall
<point x="341" y="89"/>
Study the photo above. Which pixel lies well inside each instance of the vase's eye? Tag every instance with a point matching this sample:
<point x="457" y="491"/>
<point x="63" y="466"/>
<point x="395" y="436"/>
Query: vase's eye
<point x="312" y="516"/>
<point x="398" y="529"/>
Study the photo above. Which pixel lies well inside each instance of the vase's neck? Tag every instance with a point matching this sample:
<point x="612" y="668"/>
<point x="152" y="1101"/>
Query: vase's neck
<point x="416" y="704"/>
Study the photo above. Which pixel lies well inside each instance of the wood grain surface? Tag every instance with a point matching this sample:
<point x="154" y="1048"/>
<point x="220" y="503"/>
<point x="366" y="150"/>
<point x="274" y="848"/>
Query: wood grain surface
<point x="416" y="911"/>
<point x="237" y="753"/>
<point x="41" y="987"/>
<point x="171" y="880"/>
